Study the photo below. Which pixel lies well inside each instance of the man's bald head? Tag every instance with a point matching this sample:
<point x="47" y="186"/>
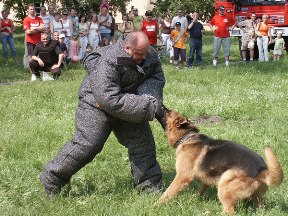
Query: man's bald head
<point x="136" y="45"/>
<point x="137" y="39"/>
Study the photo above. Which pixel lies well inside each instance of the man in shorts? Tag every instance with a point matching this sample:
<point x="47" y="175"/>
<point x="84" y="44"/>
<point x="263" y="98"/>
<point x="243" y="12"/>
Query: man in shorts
<point x="221" y="25"/>
<point x="33" y="26"/>
<point x="248" y="27"/>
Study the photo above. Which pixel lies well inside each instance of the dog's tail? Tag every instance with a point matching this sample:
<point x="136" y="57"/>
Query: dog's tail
<point x="274" y="174"/>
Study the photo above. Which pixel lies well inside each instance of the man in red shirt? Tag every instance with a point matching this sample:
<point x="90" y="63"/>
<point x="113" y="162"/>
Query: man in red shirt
<point x="151" y="28"/>
<point x="33" y="26"/>
<point x="221" y="25"/>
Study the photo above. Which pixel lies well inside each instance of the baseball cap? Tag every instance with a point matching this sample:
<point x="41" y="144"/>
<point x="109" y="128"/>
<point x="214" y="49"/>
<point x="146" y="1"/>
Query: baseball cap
<point x="148" y="13"/>
<point x="74" y="34"/>
<point x="61" y="36"/>
<point x="221" y="7"/>
<point x="178" y="24"/>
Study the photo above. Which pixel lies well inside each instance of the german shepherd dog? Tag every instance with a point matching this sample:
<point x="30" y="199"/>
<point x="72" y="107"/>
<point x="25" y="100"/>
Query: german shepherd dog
<point x="238" y="172"/>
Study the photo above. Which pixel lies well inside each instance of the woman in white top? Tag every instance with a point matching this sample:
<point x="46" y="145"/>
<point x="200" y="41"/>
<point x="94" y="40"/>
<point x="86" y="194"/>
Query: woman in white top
<point x="67" y="27"/>
<point x="83" y="35"/>
<point x="94" y="36"/>
<point x="55" y="24"/>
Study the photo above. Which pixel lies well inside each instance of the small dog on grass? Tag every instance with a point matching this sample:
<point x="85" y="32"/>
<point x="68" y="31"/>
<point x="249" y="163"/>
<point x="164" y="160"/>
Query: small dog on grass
<point x="238" y="172"/>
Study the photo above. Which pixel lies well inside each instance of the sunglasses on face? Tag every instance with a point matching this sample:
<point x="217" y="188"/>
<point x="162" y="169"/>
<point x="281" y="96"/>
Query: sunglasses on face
<point x="64" y="14"/>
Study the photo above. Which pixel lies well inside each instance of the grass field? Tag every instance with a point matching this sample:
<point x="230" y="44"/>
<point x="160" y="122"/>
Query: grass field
<point x="249" y="101"/>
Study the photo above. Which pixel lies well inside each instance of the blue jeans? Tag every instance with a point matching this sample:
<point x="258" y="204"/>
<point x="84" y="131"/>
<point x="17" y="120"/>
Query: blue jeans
<point x="8" y="39"/>
<point x="195" y="45"/>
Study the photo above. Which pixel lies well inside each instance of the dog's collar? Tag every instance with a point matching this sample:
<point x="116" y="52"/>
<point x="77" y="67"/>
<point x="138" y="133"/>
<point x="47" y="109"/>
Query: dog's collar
<point x="184" y="138"/>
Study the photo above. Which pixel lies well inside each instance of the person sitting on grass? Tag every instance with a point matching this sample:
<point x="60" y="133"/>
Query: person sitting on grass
<point x="47" y="56"/>
<point x="179" y="38"/>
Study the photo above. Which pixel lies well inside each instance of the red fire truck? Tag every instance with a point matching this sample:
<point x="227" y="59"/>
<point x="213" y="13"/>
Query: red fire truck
<point x="242" y="9"/>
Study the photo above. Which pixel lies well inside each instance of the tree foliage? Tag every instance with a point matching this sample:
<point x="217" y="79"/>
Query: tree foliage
<point x="83" y="6"/>
<point x="205" y="8"/>
<point x="19" y="6"/>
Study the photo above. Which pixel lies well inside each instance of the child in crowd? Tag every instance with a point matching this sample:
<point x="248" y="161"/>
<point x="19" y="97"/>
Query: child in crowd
<point x="179" y="39"/>
<point x="89" y="50"/>
<point x="104" y="42"/>
<point x="170" y="50"/>
<point x="74" y="48"/>
<point x="279" y="46"/>
<point x="113" y="40"/>
<point x="64" y="49"/>
<point x="55" y="36"/>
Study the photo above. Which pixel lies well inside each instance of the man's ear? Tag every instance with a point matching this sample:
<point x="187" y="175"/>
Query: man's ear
<point x="127" y="48"/>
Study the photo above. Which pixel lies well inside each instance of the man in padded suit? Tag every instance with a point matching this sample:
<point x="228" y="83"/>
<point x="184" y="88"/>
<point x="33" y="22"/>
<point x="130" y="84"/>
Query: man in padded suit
<point x="122" y="91"/>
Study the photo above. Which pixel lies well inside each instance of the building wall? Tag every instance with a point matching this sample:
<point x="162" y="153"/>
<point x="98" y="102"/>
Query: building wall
<point x="141" y="5"/>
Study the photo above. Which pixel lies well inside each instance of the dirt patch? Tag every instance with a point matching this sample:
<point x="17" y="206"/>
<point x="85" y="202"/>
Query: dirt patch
<point x="207" y="119"/>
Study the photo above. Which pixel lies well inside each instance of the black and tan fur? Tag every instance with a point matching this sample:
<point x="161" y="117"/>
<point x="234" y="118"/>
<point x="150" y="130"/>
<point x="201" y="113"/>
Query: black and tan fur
<point x="238" y="172"/>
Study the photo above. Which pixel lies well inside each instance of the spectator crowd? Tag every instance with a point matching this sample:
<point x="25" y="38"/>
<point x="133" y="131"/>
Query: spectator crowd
<point x="79" y="34"/>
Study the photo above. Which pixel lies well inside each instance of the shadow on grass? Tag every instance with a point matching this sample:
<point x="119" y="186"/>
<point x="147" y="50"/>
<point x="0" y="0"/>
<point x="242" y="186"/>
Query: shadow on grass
<point x="89" y="187"/>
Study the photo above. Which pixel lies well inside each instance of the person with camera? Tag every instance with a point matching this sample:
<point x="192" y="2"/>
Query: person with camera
<point x="196" y="30"/>
<point x="136" y="19"/>
<point x="126" y="26"/>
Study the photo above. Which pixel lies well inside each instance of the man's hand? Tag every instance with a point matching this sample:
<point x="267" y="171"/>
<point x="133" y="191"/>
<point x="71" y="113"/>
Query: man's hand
<point x="214" y="27"/>
<point x="54" y="66"/>
<point x="160" y="113"/>
<point x="41" y="63"/>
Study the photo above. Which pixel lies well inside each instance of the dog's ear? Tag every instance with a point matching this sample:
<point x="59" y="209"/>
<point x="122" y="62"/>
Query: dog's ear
<point x="180" y="121"/>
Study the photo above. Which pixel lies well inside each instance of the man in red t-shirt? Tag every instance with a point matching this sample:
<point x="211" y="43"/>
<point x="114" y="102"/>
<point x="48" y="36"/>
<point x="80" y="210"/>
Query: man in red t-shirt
<point x="33" y="26"/>
<point x="151" y="28"/>
<point x="221" y="25"/>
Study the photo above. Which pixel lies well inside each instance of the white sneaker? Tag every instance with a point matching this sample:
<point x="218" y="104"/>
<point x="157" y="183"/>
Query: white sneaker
<point x="227" y="63"/>
<point x="214" y="62"/>
<point x="33" y="77"/>
<point x="46" y="77"/>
